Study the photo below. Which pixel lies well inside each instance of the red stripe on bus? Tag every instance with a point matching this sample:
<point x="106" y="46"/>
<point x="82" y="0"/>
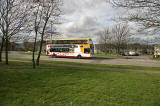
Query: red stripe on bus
<point x="70" y="56"/>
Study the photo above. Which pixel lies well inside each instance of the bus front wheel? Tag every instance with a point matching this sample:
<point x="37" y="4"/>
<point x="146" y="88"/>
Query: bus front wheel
<point x="79" y="56"/>
<point x="53" y="56"/>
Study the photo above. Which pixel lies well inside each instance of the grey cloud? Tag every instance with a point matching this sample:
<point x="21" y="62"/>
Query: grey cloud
<point x="82" y="25"/>
<point x="84" y="18"/>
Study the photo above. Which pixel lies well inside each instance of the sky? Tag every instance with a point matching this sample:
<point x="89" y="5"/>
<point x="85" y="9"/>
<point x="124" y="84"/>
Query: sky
<point x="85" y="18"/>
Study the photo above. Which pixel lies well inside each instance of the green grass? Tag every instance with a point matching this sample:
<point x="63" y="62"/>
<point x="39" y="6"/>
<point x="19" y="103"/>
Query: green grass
<point x="20" y="85"/>
<point x="111" y="56"/>
<point x="156" y="58"/>
<point x="95" y="65"/>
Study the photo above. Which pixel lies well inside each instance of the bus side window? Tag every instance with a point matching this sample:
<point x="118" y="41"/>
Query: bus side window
<point x="49" y="42"/>
<point x="65" y="49"/>
<point x="59" y="50"/>
<point x="54" y="41"/>
<point x="85" y="42"/>
<point x="51" y="50"/>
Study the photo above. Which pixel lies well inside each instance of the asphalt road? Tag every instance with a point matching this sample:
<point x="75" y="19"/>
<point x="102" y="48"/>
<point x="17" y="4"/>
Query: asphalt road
<point x="136" y="60"/>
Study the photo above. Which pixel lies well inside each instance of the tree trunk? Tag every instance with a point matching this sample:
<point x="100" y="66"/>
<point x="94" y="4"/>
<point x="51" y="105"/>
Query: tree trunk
<point x="117" y="50"/>
<point x="39" y="53"/>
<point x="6" y="50"/>
<point x="33" y="54"/>
<point x="33" y="60"/>
<point x="1" y="49"/>
<point x="41" y="44"/>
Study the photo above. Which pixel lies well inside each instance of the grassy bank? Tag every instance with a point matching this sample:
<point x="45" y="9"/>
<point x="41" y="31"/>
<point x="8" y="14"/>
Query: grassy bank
<point x="94" y="65"/>
<point x="156" y="58"/>
<point x="66" y="86"/>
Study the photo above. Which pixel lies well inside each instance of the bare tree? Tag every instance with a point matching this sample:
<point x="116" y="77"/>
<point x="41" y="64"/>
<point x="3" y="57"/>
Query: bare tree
<point x="2" y="36"/>
<point x="13" y="17"/>
<point x="46" y="10"/>
<point x="145" y="12"/>
<point x="105" y="36"/>
<point x="51" y="10"/>
<point x="37" y="21"/>
<point x="1" y="48"/>
<point x="115" y="38"/>
<point x="105" y="39"/>
<point x="121" y="35"/>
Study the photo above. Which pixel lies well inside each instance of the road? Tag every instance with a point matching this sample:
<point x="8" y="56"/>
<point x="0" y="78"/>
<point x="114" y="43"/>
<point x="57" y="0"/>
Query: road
<point x="135" y="61"/>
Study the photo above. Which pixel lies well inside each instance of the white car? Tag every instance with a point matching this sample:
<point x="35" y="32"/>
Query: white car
<point x="130" y="53"/>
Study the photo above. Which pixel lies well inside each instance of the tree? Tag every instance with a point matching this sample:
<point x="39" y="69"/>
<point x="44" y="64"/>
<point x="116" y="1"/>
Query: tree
<point x="1" y="47"/>
<point x="117" y="36"/>
<point x="144" y="12"/>
<point x="121" y="35"/>
<point x="13" y="18"/>
<point x="105" y="38"/>
<point x="46" y="10"/>
<point x="51" y="11"/>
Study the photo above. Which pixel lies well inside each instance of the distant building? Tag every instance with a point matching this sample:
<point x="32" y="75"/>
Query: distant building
<point x="157" y="51"/>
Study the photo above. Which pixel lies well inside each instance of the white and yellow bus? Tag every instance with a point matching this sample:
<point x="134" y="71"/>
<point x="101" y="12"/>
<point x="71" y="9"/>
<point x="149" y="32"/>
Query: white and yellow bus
<point x="76" y="48"/>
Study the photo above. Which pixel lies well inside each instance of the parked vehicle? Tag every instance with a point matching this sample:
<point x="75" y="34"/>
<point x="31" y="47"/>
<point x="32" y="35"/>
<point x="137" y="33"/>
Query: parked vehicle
<point x="125" y="53"/>
<point x="129" y="53"/>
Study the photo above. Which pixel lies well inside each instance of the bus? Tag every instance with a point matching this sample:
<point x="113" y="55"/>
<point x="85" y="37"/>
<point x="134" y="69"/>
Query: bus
<point x="75" y="48"/>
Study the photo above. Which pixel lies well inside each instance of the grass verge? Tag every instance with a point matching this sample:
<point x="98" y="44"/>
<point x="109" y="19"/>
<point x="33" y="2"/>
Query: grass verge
<point x="158" y="59"/>
<point x="64" y="86"/>
<point x="95" y="65"/>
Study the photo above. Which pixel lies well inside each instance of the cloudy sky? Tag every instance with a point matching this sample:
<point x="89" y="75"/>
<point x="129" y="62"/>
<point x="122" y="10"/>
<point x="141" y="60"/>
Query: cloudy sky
<point x="84" y="18"/>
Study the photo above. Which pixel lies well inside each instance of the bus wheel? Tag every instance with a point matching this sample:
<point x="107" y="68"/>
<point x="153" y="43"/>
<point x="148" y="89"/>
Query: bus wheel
<point x="53" y="56"/>
<point x="79" y="56"/>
